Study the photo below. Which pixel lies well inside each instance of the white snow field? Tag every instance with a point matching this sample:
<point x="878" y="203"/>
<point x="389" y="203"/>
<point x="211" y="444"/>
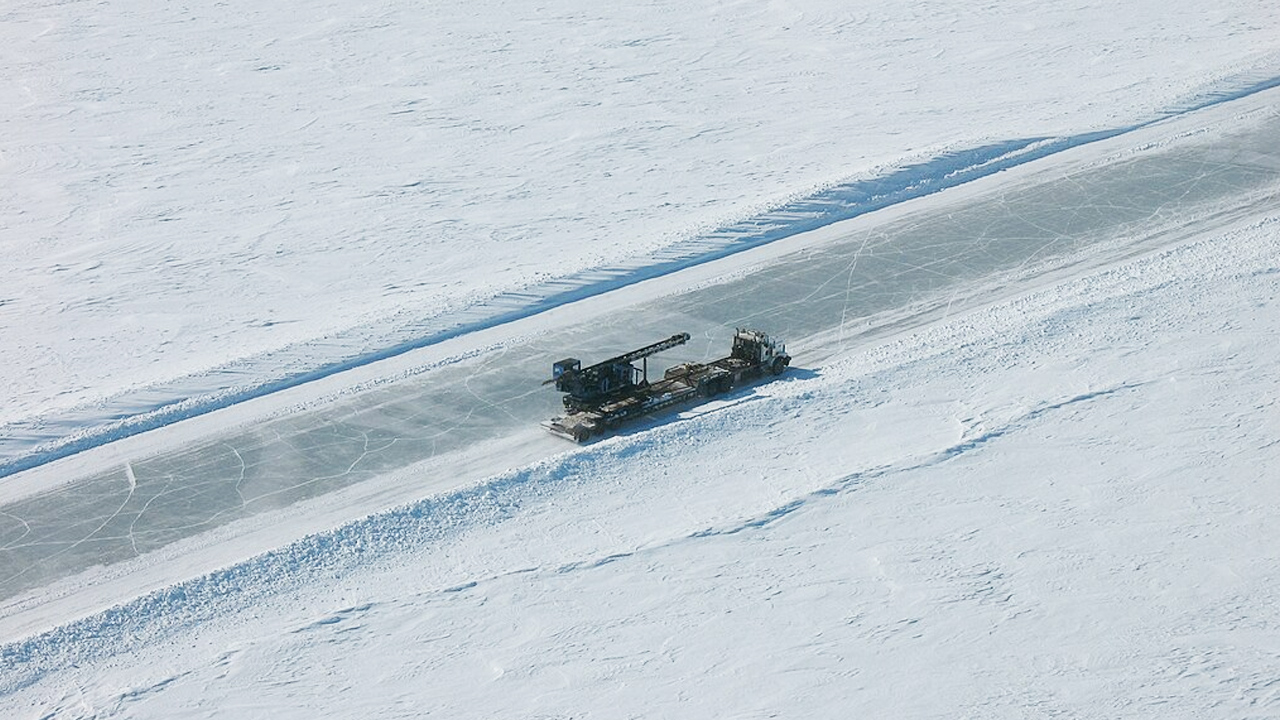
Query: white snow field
<point x="202" y="199"/>
<point x="281" y="281"/>
<point x="1062" y="505"/>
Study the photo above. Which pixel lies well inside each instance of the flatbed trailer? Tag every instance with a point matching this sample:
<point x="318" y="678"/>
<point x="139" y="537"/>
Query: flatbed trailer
<point x="602" y="397"/>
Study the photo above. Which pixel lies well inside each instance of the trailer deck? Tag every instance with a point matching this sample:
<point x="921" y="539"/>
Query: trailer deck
<point x="602" y="397"/>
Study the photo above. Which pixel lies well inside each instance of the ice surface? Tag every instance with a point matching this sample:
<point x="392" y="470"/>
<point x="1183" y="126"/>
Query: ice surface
<point x="1059" y="505"/>
<point x="351" y="177"/>
<point x="838" y="295"/>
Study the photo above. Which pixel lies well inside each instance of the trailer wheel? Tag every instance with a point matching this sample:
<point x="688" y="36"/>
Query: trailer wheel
<point x="777" y="366"/>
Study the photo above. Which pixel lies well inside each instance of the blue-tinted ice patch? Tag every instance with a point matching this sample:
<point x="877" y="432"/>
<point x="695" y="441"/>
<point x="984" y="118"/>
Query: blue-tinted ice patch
<point x="38" y="441"/>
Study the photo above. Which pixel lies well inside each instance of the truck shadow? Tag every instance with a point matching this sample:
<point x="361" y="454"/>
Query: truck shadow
<point x="793" y="373"/>
<point x="725" y="401"/>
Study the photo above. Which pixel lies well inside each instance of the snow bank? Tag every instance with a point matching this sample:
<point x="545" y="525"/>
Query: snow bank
<point x="1059" y="504"/>
<point x="196" y="188"/>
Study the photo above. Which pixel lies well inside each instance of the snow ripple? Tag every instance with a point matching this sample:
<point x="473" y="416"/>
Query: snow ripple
<point x="37" y="441"/>
<point x="167" y="612"/>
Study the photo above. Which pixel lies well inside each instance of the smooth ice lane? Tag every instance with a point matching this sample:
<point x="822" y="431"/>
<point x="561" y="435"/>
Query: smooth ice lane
<point x="824" y="294"/>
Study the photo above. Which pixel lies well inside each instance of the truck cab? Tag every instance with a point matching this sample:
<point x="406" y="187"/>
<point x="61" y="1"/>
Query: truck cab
<point x="757" y="348"/>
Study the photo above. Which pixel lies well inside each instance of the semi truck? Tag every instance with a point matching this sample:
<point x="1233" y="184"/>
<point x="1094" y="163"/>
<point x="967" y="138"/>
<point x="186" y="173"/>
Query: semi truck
<point x="600" y="398"/>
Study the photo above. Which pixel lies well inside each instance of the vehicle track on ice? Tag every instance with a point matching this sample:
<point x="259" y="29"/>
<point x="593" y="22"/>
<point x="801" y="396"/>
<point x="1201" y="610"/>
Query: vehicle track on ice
<point x="35" y="442"/>
<point x="429" y="429"/>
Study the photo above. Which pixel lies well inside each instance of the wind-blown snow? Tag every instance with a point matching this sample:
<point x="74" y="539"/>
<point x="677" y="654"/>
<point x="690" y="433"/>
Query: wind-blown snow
<point x="1063" y="504"/>
<point x="194" y="187"/>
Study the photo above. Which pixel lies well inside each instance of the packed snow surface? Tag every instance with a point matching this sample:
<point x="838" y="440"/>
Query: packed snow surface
<point x="194" y="187"/>
<point x="1059" y="504"/>
<point x="1062" y="505"/>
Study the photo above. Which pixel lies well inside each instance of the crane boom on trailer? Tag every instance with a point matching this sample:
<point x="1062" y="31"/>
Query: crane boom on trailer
<point x="601" y="397"/>
<point x="585" y="387"/>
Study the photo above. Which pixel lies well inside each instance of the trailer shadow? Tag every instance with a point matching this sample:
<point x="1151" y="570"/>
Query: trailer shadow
<point x="724" y="401"/>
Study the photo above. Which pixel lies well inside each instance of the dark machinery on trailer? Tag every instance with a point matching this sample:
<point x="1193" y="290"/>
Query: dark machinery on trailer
<point x="600" y="397"/>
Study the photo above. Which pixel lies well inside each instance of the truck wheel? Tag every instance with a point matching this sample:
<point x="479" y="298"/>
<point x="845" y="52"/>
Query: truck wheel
<point x="777" y="366"/>
<point x="581" y="434"/>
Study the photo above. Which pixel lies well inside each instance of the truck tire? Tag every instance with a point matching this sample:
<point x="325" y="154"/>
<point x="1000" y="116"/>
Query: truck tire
<point x="777" y="366"/>
<point x="581" y="434"/>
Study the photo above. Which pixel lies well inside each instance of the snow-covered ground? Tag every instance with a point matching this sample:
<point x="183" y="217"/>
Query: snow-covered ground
<point x="1059" y="504"/>
<point x="1064" y="504"/>
<point x="190" y="188"/>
